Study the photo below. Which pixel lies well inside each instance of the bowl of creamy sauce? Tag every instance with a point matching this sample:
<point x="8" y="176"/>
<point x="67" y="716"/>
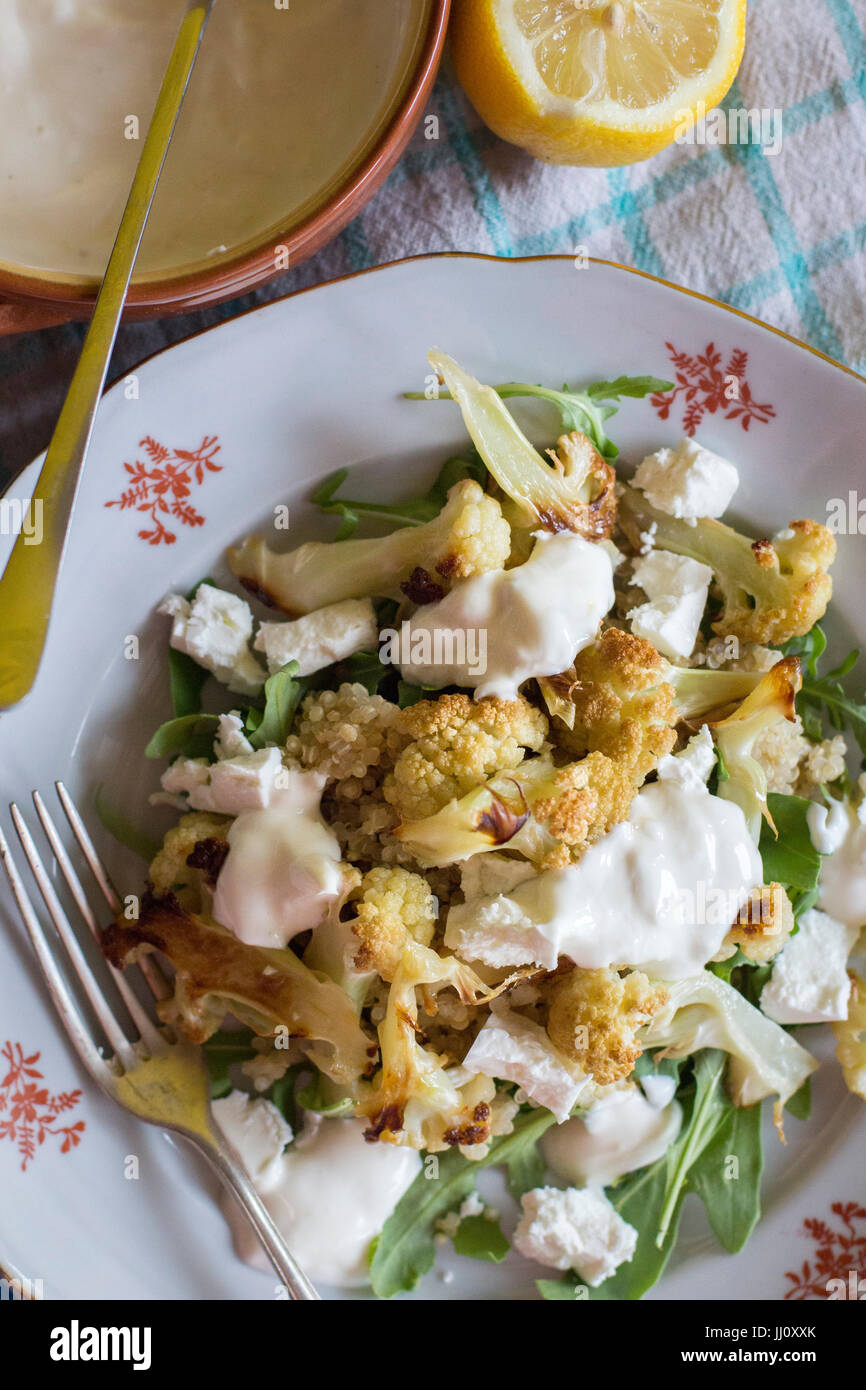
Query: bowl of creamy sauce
<point x="296" y="112"/>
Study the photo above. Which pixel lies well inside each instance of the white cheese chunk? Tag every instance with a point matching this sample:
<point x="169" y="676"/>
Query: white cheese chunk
<point x="809" y="983"/>
<point x="512" y="1048"/>
<point x="574" y="1228"/>
<point x="688" y="481"/>
<point x="215" y="629"/>
<point x="258" y="1131"/>
<point x="691" y="767"/>
<point x="231" y="741"/>
<point x="676" y="588"/>
<point x="229" y="786"/>
<point x="320" y="638"/>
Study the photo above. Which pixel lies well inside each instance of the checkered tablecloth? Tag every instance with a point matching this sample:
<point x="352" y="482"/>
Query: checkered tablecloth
<point x="781" y="235"/>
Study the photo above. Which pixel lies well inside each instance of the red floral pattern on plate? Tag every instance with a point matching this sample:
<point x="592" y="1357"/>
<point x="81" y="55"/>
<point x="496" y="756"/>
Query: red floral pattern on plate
<point x="704" y="386"/>
<point x="29" y="1112"/>
<point x="838" y="1269"/>
<point x="162" y="486"/>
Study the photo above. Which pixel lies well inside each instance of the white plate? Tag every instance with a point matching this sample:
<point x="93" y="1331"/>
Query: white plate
<point x="289" y="393"/>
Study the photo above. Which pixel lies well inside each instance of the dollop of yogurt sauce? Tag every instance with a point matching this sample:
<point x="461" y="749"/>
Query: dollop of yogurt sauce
<point x="282" y="871"/>
<point x="842" y="882"/>
<point x="620" y="1132"/>
<point x="528" y="621"/>
<point x="330" y="1193"/>
<point x="659" y="891"/>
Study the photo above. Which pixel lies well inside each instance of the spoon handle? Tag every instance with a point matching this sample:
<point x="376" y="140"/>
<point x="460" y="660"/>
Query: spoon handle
<point x="29" y="580"/>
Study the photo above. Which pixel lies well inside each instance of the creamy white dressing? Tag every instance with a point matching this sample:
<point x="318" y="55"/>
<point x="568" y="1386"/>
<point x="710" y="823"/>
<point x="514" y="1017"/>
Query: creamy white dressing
<point x="284" y="100"/>
<point x="330" y="1193"/>
<point x="620" y="1132"/>
<point x="282" y="871"/>
<point x="828" y="825"/>
<point x="842" y="882"/>
<point x="528" y="621"/>
<point x="659" y="891"/>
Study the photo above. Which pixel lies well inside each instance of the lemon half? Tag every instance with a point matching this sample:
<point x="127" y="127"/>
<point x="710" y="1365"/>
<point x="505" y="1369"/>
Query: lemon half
<point x="600" y="82"/>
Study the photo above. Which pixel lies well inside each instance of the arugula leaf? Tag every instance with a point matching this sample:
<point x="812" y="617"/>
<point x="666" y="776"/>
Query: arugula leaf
<point x="223" y="1050"/>
<point x="789" y="858"/>
<point x="192" y="735"/>
<point x="365" y="668"/>
<point x="406" y="1249"/>
<point x="586" y="410"/>
<point x="732" y="1197"/>
<point x="281" y="1093"/>
<point x="322" y="1096"/>
<point x="800" y="1103"/>
<point x="282" y="696"/>
<point x="186" y="679"/>
<point x="825" y="696"/>
<point x="122" y="830"/>
<point x="481" y="1239"/>
<point x="414" y="512"/>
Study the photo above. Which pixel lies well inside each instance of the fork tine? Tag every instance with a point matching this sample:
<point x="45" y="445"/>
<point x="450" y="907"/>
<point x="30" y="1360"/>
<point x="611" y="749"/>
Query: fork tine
<point x="141" y="1019"/>
<point x="150" y="970"/>
<point x="109" y="1024"/>
<point x="65" y="1003"/>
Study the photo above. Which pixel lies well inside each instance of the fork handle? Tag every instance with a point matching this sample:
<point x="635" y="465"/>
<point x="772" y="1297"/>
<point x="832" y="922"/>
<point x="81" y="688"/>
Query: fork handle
<point x="237" y="1180"/>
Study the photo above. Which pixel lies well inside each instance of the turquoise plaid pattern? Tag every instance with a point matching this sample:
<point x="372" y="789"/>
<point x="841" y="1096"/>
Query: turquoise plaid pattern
<point x="782" y="237"/>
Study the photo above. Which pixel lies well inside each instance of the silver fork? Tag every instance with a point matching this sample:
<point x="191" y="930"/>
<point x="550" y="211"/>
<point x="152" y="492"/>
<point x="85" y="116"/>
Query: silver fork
<point x="147" y="1071"/>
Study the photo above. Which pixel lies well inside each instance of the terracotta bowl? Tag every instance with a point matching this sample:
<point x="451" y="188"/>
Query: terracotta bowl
<point x="30" y="301"/>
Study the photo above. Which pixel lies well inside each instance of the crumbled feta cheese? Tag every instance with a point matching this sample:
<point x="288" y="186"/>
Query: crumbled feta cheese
<point x="809" y="983"/>
<point x="574" y="1228"/>
<point x="497" y="931"/>
<point x="648" y="538"/>
<point x="659" y="1090"/>
<point x="677" y="590"/>
<point x="214" y="629"/>
<point x="320" y="638"/>
<point x="512" y="1048"/>
<point x="231" y="741"/>
<point x="485" y="875"/>
<point x="258" y="1127"/>
<point x="688" y="481"/>
<point x="691" y="767"/>
<point x="231" y="785"/>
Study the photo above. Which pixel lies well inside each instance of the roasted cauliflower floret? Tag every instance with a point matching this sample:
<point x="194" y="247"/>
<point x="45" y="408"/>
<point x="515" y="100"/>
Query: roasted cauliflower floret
<point x="762" y="926"/>
<point x="455" y="744"/>
<point x="594" y="1015"/>
<point x="574" y="492"/>
<point x="547" y="813"/>
<point x="623" y="706"/>
<point x="469" y="536"/>
<point x="394" y="906"/>
<point x="850" y="1035"/>
<point x="191" y="856"/>
<point x="345" y="733"/>
<point x="770" y="590"/>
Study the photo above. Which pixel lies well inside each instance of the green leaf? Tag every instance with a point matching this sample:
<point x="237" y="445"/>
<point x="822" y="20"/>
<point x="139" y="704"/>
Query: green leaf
<point x="365" y="668"/>
<point x="414" y="512"/>
<point x="800" y="1103"/>
<point x="406" y="1248"/>
<point x="412" y="694"/>
<point x="222" y="1051"/>
<point x="481" y="1239"/>
<point x="732" y="1194"/>
<point x="123" y="830"/>
<point x="825" y="697"/>
<point x="186" y="680"/>
<point x="790" y="859"/>
<point x="324" y="1098"/>
<point x="281" y="1093"/>
<point x="282" y="696"/>
<point x="192" y="735"/>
